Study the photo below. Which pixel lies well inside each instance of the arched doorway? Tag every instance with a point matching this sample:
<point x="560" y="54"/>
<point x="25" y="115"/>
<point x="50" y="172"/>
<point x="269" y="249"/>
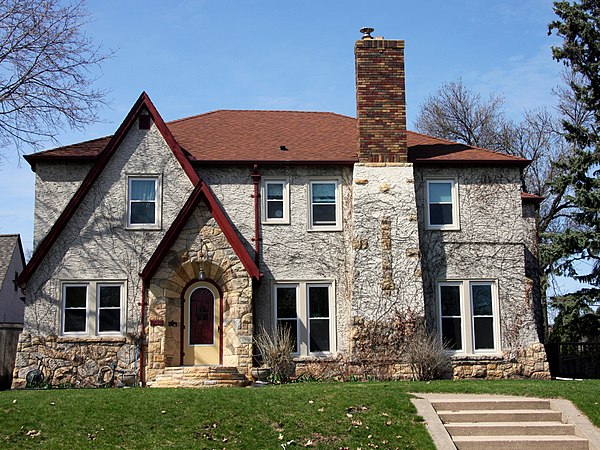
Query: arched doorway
<point x="202" y="333"/>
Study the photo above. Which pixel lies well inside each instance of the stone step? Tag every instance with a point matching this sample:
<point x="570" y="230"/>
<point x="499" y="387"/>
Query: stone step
<point x="521" y="443"/>
<point x="492" y="404"/>
<point x="199" y="376"/>
<point x="522" y="415"/>
<point x="510" y="429"/>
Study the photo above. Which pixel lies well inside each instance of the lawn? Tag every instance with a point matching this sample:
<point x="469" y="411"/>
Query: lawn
<point x="318" y="415"/>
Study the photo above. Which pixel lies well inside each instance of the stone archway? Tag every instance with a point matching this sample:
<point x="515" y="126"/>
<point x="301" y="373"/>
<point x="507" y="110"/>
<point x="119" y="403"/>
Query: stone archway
<point x="201" y="246"/>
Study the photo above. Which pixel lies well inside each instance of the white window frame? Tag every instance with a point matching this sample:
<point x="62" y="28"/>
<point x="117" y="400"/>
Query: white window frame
<point x="467" y="316"/>
<point x="64" y="312"/>
<point x="285" y="220"/>
<point x="302" y="312"/>
<point x="121" y="331"/>
<point x="93" y="306"/>
<point x="338" y="204"/>
<point x="157" y="201"/>
<point x="455" y="225"/>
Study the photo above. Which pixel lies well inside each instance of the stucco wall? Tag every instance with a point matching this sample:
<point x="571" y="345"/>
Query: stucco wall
<point x="55" y="184"/>
<point x="386" y="270"/>
<point x="291" y="252"/>
<point x="489" y="245"/>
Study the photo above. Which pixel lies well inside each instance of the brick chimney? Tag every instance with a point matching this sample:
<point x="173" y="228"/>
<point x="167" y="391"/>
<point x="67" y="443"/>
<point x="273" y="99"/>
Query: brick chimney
<point x="380" y="99"/>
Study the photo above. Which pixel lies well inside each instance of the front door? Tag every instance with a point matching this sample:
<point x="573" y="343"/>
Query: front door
<point x="202" y="319"/>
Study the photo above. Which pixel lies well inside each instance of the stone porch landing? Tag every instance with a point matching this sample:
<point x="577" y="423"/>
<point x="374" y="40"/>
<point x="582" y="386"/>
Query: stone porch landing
<point x="199" y="377"/>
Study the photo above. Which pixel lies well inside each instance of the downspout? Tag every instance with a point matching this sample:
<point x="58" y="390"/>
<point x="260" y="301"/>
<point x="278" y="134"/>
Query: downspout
<point x="143" y="331"/>
<point x="256" y="181"/>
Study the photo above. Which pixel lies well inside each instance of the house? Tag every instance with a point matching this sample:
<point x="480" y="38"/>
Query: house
<point x="12" y="262"/>
<point x="167" y="246"/>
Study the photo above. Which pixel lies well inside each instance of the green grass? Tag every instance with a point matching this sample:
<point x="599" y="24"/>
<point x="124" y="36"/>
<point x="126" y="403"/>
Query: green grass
<point x="322" y="415"/>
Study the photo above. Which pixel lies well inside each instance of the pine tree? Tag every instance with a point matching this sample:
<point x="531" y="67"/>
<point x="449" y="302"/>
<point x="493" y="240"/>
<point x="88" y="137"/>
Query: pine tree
<point x="578" y="25"/>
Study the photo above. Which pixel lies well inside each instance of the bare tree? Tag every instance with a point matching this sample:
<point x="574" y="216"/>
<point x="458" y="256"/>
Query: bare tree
<point x="46" y="70"/>
<point x="456" y="113"/>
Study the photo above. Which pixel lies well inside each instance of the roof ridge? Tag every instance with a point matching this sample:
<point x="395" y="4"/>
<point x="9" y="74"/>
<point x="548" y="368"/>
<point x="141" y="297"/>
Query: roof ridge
<point x="258" y="110"/>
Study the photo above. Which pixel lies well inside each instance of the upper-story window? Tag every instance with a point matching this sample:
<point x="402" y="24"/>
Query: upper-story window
<point x="442" y="205"/>
<point x="143" y="202"/>
<point x="325" y="205"/>
<point x="276" y="201"/>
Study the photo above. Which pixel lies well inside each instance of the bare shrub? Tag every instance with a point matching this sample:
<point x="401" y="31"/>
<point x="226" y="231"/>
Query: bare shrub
<point x="426" y="353"/>
<point x="382" y="346"/>
<point x="276" y="352"/>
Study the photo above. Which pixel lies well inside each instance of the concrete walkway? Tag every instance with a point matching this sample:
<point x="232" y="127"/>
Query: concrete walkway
<point x="473" y="421"/>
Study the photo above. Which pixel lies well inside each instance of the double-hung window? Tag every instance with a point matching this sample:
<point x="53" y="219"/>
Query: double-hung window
<point x="442" y="205"/>
<point x="469" y="316"/>
<point x="93" y="309"/>
<point x="325" y="204"/>
<point x="307" y="309"/>
<point x="143" y="202"/>
<point x="276" y="204"/>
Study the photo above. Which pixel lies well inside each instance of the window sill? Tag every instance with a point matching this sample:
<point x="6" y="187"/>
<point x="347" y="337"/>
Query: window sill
<point x="92" y="339"/>
<point x="477" y="356"/>
<point x="316" y="229"/>
<point x="446" y="228"/>
<point x="144" y="228"/>
<point x="315" y="358"/>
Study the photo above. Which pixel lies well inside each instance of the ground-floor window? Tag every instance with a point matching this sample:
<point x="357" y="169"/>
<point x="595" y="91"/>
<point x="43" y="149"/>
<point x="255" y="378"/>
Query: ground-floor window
<point x="93" y="308"/>
<point x="307" y="309"/>
<point x="468" y="314"/>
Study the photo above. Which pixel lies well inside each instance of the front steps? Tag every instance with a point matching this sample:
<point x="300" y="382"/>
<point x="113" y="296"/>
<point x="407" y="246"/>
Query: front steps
<point x="199" y="377"/>
<point x="480" y="422"/>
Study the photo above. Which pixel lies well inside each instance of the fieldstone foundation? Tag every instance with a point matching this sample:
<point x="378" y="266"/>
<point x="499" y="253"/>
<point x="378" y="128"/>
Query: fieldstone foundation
<point x="73" y="362"/>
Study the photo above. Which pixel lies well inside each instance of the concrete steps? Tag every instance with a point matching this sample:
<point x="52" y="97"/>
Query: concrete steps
<point x="199" y="377"/>
<point x="506" y="423"/>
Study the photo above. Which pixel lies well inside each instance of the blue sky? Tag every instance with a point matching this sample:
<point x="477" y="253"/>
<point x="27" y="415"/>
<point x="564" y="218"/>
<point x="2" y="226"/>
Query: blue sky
<point x="198" y="56"/>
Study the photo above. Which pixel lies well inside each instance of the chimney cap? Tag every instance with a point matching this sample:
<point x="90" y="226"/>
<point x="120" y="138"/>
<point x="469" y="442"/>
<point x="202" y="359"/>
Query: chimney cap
<point x="366" y="31"/>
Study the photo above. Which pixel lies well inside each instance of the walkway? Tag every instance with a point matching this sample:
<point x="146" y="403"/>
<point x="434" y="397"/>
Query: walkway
<point x="472" y="421"/>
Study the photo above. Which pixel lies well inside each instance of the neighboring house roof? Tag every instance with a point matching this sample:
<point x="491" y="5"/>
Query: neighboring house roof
<point x="142" y="104"/>
<point x="308" y="137"/>
<point x="9" y="243"/>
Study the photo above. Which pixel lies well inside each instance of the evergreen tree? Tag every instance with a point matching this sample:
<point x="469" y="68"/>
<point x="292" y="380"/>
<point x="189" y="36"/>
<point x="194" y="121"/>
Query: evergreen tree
<point x="578" y="24"/>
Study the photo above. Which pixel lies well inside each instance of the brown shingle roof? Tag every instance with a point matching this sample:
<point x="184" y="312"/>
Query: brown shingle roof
<point x="257" y="136"/>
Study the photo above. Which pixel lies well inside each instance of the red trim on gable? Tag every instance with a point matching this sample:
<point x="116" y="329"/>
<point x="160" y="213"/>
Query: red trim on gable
<point x="200" y="192"/>
<point x="103" y="158"/>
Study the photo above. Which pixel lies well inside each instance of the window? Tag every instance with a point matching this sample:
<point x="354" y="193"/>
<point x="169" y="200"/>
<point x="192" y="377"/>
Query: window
<point x="143" y="202"/>
<point x="276" y="205"/>
<point x="109" y="308"/>
<point x="307" y="309"/>
<point x="442" y="205"/>
<point x="93" y="309"/>
<point x="325" y="205"/>
<point x="468" y="316"/>
<point x="75" y="308"/>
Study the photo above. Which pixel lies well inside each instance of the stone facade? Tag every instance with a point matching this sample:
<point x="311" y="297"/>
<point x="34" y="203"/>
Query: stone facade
<point x="201" y="245"/>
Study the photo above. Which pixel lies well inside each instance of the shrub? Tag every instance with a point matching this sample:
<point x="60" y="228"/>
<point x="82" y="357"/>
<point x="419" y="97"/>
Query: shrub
<point x="427" y="355"/>
<point x="276" y="352"/>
